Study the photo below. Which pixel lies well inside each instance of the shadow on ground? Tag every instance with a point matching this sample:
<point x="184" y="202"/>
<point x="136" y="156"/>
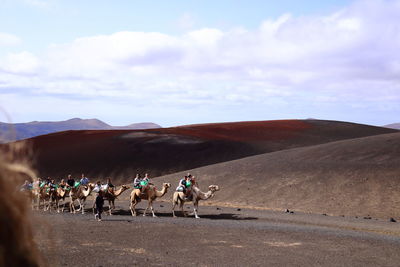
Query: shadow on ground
<point x="220" y="216"/>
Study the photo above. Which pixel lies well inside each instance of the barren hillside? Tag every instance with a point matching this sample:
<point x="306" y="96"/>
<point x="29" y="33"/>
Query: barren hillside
<point x="352" y="177"/>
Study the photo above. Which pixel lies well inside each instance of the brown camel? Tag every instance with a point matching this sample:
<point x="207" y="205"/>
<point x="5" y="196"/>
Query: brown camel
<point x="150" y="194"/>
<point x="196" y="195"/>
<point x="112" y="195"/>
<point x="80" y="194"/>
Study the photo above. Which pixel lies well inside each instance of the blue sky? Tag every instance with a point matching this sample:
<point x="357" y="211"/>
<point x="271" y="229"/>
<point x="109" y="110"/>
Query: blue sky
<point x="182" y="62"/>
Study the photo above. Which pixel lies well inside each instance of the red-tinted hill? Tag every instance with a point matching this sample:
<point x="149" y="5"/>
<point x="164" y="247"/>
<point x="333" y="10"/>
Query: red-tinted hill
<point x="121" y="153"/>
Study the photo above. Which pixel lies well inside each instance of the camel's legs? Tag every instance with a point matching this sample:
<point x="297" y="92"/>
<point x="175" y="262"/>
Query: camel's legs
<point x="82" y="205"/>
<point x="152" y="209"/>
<point x="45" y="207"/>
<point x="38" y="202"/>
<point x="79" y="204"/>
<point x="173" y="209"/>
<point x="195" y="207"/>
<point x="149" y="205"/>
<point x="62" y="210"/>
<point x="145" y="210"/>
<point x="109" y="207"/>
<point x="71" y="206"/>
<point x="133" y="208"/>
<point x="181" y="206"/>
<point x="58" y="205"/>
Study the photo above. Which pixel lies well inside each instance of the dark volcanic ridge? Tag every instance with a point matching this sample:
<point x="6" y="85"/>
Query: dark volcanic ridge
<point x="356" y="177"/>
<point x="18" y="131"/>
<point x="122" y="153"/>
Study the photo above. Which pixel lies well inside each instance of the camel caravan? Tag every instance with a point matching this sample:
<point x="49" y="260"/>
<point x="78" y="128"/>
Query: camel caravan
<point x="49" y="195"/>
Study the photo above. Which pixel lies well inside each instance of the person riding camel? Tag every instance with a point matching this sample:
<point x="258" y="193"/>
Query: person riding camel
<point x="145" y="182"/>
<point x="70" y="181"/>
<point x="185" y="186"/>
<point x="84" y="180"/>
<point x="97" y="187"/>
<point x="110" y="186"/>
<point x="136" y="182"/>
<point x="26" y="186"/>
<point x="52" y="184"/>
<point x="62" y="184"/>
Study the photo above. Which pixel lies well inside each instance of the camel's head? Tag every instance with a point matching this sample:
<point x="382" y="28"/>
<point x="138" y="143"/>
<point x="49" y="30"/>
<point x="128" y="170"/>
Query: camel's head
<point x="213" y="188"/>
<point x="91" y="185"/>
<point x="166" y="185"/>
<point x="125" y="187"/>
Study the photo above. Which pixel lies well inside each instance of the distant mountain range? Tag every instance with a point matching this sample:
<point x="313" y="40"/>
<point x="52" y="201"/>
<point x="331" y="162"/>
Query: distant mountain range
<point x="18" y="131"/>
<point x="393" y="126"/>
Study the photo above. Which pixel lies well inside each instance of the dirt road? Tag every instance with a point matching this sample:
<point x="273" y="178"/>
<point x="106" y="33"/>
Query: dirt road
<point x="222" y="237"/>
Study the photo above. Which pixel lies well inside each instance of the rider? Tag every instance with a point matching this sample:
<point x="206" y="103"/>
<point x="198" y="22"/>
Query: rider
<point x="26" y="186"/>
<point x="62" y="183"/>
<point x="52" y="184"/>
<point x="184" y="184"/>
<point x="71" y="181"/>
<point x="97" y="187"/>
<point x="110" y="186"/>
<point x="136" y="182"/>
<point x="84" y="180"/>
<point x="145" y="182"/>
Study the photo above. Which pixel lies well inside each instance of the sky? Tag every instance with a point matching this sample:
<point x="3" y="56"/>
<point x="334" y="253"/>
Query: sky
<point x="183" y="62"/>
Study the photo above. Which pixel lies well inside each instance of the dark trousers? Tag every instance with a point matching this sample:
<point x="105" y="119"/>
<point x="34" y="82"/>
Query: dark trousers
<point x="99" y="210"/>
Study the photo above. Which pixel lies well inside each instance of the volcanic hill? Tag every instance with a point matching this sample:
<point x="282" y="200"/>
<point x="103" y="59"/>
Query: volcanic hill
<point x="356" y="177"/>
<point x="121" y="153"/>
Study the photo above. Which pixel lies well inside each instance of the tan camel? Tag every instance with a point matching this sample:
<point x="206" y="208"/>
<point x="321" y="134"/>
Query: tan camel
<point x="32" y="194"/>
<point x="43" y="194"/>
<point x="150" y="194"/>
<point x="112" y="195"/>
<point x="58" y="195"/>
<point x="80" y="194"/>
<point x="196" y="195"/>
<point x="37" y="193"/>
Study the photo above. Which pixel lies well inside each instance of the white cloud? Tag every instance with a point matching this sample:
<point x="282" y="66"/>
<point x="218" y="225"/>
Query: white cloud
<point x="21" y="63"/>
<point x="345" y="57"/>
<point x="7" y="39"/>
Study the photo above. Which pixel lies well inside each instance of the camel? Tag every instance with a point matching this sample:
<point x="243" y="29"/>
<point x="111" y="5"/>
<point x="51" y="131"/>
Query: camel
<point x="31" y="194"/>
<point x="43" y="194"/>
<point x="80" y="194"/>
<point x="197" y="195"/>
<point x="58" y="195"/>
<point x="150" y="194"/>
<point x="112" y="195"/>
<point x="37" y="193"/>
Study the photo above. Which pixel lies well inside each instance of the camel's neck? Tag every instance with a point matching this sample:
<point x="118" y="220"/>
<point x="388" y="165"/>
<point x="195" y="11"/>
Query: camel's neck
<point x="162" y="192"/>
<point x="119" y="191"/>
<point x="85" y="193"/>
<point x="202" y="195"/>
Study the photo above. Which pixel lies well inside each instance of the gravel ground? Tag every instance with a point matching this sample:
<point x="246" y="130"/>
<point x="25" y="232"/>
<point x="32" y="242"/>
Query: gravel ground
<point x="222" y="237"/>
